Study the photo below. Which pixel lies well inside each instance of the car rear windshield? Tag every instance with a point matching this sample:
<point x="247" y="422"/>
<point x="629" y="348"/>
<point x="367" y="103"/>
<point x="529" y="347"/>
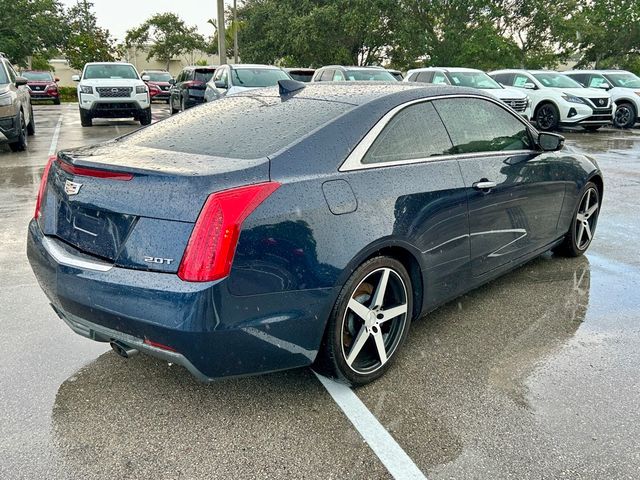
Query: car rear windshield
<point x="204" y="74"/>
<point x="369" y="75"/>
<point x="159" y="76"/>
<point x="301" y="76"/>
<point x="625" y="80"/>
<point x="110" y="71"/>
<point x="474" y="80"/>
<point x="243" y="127"/>
<point x="556" y="80"/>
<point x="257" y="77"/>
<point x="38" y="76"/>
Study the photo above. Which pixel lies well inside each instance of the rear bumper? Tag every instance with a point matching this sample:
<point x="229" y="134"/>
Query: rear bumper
<point x="213" y="333"/>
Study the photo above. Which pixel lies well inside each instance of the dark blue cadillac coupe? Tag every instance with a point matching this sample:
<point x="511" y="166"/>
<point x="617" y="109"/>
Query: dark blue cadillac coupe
<point x="300" y="225"/>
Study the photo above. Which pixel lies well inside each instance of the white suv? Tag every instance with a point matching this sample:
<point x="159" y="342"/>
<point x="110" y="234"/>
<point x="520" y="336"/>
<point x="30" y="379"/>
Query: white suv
<point x="624" y="88"/>
<point x="469" y="77"/>
<point x="112" y="90"/>
<point x="556" y="100"/>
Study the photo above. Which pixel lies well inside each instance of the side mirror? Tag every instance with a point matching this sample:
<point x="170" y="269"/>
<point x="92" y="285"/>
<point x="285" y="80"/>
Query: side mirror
<point x="56" y="79"/>
<point x="605" y="86"/>
<point x="220" y="84"/>
<point x="172" y="81"/>
<point x="146" y="78"/>
<point x="529" y="86"/>
<point x="20" y="81"/>
<point x="550" y="142"/>
<point x="75" y="78"/>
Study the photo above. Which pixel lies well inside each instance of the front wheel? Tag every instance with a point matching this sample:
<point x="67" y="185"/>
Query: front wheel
<point x="145" y="116"/>
<point x="31" y="127"/>
<point x="625" y="116"/>
<point x="85" y="118"/>
<point x="584" y="222"/>
<point x="368" y="323"/>
<point x="547" y="117"/>
<point x="20" y="144"/>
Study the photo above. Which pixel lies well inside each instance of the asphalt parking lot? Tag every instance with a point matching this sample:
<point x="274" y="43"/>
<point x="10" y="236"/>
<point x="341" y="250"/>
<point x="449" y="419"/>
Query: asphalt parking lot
<point x="532" y="376"/>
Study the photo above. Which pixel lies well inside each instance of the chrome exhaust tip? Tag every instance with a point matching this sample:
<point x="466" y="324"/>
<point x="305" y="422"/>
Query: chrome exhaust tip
<point x="125" y="351"/>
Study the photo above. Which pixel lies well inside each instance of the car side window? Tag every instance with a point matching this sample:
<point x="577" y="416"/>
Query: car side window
<point x="327" y="75"/>
<point x="12" y="73"/>
<point x="224" y="76"/>
<point x="412" y="78"/>
<point x="478" y="125"/>
<point x="425" y="77"/>
<point x="504" y="78"/>
<point x="581" y="78"/>
<point x="520" y="80"/>
<point x="439" y="78"/>
<point x="416" y="132"/>
<point x="338" y="76"/>
<point x="596" y="81"/>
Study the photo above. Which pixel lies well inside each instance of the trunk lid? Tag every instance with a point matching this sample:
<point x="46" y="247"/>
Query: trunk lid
<point x="149" y="216"/>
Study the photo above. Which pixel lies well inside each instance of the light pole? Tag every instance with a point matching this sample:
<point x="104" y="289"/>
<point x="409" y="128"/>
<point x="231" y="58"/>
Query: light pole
<point x="222" y="48"/>
<point x="235" y="34"/>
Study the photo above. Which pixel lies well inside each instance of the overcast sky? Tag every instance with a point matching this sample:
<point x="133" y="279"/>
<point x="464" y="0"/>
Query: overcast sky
<point x="118" y="16"/>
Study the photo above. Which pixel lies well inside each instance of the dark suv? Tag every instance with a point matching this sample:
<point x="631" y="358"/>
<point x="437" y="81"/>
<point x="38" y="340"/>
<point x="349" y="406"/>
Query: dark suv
<point x="42" y="85"/>
<point x="16" y="113"/>
<point x="188" y="88"/>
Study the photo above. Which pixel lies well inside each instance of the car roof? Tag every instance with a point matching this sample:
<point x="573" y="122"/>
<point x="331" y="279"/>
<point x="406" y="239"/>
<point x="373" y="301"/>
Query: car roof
<point x="352" y="67"/>
<point x="108" y="63"/>
<point x="299" y="69"/>
<point x="240" y="66"/>
<point x="446" y="69"/>
<point x="610" y="70"/>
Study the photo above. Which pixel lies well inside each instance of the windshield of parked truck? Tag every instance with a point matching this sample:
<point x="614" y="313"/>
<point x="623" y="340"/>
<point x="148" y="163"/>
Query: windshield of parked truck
<point x="473" y="80"/>
<point x="110" y="70"/>
<point x="556" y="80"/>
<point x="624" y="80"/>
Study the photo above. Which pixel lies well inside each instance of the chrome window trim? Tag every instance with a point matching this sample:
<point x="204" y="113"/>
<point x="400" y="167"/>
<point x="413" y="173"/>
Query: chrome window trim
<point x="64" y="258"/>
<point x="354" y="160"/>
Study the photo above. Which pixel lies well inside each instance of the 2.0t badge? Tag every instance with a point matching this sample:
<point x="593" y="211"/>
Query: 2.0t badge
<point x="71" y="188"/>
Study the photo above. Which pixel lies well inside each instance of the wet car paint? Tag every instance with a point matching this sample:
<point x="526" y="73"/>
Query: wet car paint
<point x="497" y="384"/>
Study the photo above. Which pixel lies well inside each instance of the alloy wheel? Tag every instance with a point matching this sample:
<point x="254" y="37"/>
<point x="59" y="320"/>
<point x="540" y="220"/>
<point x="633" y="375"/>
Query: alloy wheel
<point x="622" y="116"/>
<point x="546" y="117"/>
<point x="374" y="321"/>
<point x="586" y="218"/>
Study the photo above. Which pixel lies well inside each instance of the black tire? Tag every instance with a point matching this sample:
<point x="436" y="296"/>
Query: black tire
<point x="56" y="101"/>
<point x="547" y="117"/>
<point x="349" y="333"/>
<point x="31" y="128"/>
<point x="183" y="105"/>
<point x="577" y="241"/>
<point x="592" y="128"/>
<point x="20" y="143"/>
<point x="85" y="118"/>
<point x="173" y="110"/>
<point x="625" y="116"/>
<point x="167" y="101"/>
<point x="145" y="116"/>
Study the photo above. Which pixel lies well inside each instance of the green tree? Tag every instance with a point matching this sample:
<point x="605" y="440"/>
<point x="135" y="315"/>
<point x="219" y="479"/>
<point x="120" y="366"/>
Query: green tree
<point x="31" y="27"/>
<point x="166" y="36"/>
<point x="86" y="41"/>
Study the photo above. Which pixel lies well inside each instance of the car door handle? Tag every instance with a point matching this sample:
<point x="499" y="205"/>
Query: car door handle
<point x="484" y="185"/>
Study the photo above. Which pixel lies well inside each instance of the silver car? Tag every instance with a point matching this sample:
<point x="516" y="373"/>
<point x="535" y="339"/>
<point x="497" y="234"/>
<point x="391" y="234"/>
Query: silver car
<point x="16" y="113"/>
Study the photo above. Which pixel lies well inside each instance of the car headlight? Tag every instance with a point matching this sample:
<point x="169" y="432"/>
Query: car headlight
<point x="141" y="89"/>
<point x="86" y="89"/>
<point x="573" y="99"/>
<point x="6" y="99"/>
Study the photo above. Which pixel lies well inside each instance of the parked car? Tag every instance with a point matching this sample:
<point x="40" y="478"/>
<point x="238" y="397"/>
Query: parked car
<point x="339" y="73"/>
<point x="42" y="85"/>
<point x="233" y="260"/>
<point x="397" y="74"/>
<point x="624" y="88"/>
<point x="112" y="90"/>
<point x="300" y="74"/>
<point x="159" y="84"/>
<point x="234" y="79"/>
<point x="16" y="112"/>
<point x="557" y="100"/>
<point x="469" y="77"/>
<point x="187" y="90"/>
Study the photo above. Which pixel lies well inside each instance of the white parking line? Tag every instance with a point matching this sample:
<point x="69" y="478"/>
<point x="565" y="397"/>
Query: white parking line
<point x="54" y="139"/>
<point x="392" y="456"/>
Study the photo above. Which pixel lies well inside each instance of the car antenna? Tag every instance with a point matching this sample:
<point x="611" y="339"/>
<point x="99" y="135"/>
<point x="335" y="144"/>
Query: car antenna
<point x="287" y="87"/>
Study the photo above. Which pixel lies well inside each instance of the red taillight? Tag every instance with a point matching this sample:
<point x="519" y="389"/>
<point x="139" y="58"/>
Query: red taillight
<point x="213" y="241"/>
<point x="92" y="172"/>
<point x="43" y="186"/>
<point x="193" y="84"/>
